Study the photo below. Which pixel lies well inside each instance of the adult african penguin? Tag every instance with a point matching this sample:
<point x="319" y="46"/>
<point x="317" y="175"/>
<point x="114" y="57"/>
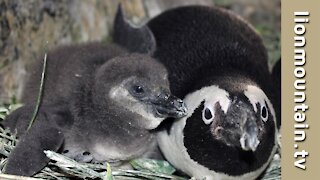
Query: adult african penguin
<point x="218" y="64"/>
<point x="100" y="103"/>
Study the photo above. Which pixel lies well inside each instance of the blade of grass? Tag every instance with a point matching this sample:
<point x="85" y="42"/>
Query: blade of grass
<point x="109" y="173"/>
<point x="34" y="115"/>
<point x="13" y="177"/>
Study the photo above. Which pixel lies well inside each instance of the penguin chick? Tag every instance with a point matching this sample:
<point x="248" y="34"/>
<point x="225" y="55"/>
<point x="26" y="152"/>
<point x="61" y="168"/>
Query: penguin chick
<point x="99" y="104"/>
<point x="218" y="64"/>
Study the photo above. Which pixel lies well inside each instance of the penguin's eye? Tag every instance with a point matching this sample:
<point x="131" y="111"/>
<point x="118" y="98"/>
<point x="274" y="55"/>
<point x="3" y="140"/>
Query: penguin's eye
<point x="138" y="89"/>
<point x="207" y="115"/>
<point x="264" y="113"/>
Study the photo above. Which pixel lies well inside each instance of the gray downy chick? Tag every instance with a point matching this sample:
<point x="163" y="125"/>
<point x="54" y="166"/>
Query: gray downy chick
<point x="100" y="103"/>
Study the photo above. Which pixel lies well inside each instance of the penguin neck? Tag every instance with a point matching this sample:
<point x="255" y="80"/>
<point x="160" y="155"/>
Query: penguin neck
<point x="123" y="117"/>
<point x="113" y="124"/>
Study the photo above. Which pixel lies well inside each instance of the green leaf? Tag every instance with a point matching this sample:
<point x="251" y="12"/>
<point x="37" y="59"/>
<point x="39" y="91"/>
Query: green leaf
<point x="109" y="173"/>
<point x="2" y="116"/>
<point x="4" y="110"/>
<point x="152" y="165"/>
<point x="14" y="107"/>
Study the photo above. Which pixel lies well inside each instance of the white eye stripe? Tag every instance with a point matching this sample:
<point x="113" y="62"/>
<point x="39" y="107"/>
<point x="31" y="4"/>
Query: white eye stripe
<point x="210" y="95"/>
<point x="224" y="102"/>
<point x="257" y="96"/>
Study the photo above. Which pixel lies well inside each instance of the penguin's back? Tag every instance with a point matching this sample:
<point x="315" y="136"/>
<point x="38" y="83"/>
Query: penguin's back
<point x="202" y="41"/>
<point x="68" y="69"/>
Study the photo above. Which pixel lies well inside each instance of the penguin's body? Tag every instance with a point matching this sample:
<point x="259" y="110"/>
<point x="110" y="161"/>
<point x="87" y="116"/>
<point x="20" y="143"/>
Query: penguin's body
<point x="99" y="104"/>
<point x="218" y="64"/>
<point x="192" y="39"/>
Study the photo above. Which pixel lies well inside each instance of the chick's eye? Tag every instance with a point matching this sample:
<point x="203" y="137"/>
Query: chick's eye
<point x="264" y="113"/>
<point x="207" y="115"/>
<point x="138" y="89"/>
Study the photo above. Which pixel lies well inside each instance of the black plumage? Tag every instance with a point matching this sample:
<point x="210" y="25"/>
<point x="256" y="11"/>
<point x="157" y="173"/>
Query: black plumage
<point x="218" y="64"/>
<point x="195" y="42"/>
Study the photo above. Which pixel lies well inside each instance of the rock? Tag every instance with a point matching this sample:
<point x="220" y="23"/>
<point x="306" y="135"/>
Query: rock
<point x="28" y="27"/>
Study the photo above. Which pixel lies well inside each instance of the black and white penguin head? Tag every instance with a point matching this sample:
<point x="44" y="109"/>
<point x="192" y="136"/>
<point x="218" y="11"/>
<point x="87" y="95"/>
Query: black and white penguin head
<point x="236" y="119"/>
<point x="235" y="126"/>
<point x="137" y="85"/>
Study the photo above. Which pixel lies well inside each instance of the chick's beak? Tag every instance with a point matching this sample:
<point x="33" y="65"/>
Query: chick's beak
<point x="167" y="105"/>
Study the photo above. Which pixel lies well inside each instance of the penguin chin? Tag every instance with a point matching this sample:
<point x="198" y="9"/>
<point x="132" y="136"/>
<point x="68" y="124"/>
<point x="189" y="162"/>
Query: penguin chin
<point x="153" y="123"/>
<point x="148" y="118"/>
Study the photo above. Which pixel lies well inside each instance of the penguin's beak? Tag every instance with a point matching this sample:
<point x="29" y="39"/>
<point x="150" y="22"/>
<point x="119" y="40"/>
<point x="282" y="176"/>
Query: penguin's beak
<point x="238" y="127"/>
<point x="249" y="139"/>
<point x="167" y="105"/>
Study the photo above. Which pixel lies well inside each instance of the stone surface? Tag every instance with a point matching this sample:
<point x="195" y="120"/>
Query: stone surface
<point x="28" y="27"/>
